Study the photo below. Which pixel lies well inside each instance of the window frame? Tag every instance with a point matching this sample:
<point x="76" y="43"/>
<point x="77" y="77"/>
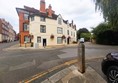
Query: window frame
<point x="25" y="40"/>
<point x="32" y="18"/>
<point x="68" y="32"/>
<point x="38" y="39"/>
<point x="60" y="21"/>
<point x="26" y="17"/>
<point x="59" y="42"/>
<point x="59" y="30"/>
<point x="42" y="30"/>
<point x="25" y="27"/>
<point x="42" y="19"/>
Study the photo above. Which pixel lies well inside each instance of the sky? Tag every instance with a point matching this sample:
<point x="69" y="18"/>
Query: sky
<point x="82" y="12"/>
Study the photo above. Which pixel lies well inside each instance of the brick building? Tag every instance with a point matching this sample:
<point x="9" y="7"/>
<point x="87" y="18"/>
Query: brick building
<point x="7" y="32"/>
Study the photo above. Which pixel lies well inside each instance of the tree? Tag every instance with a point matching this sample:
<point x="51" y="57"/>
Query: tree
<point x="109" y="8"/>
<point x="100" y="28"/>
<point x="86" y="36"/>
<point x="82" y="30"/>
<point x="105" y="35"/>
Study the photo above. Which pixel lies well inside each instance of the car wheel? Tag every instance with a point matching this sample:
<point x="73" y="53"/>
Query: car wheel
<point x="112" y="74"/>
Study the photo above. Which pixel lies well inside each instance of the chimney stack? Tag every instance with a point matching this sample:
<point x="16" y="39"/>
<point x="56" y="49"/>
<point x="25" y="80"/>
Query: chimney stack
<point x="50" y="11"/>
<point x="42" y="6"/>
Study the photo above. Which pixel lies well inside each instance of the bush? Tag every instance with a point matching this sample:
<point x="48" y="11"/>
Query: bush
<point x="108" y="37"/>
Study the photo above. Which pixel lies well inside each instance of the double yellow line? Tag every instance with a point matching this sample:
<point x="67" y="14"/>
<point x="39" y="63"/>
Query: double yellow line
<point x="48" y="71"/>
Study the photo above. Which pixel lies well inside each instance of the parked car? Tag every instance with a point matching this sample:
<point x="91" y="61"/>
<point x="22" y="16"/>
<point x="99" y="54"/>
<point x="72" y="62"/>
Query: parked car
<point x="110" y="67"/>
<point x="81" y="40"/>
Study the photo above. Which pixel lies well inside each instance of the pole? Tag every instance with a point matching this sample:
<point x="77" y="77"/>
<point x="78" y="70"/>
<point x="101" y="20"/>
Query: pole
<point x="81" y="57"/>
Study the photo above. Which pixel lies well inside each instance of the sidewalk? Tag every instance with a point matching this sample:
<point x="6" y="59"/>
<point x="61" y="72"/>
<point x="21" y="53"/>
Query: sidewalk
<point x="67" y="74"/>
<point x="72" y="75"/>
<point x="17" y="46"/>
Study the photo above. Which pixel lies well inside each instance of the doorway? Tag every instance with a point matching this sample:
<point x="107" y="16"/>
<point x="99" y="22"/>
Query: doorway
<point x="68" y="40"/>
<point x="44" y="42"/>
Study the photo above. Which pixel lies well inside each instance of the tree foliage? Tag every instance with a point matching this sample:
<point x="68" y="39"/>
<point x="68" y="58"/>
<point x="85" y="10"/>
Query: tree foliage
<point x="86" y="36"/>
<point x="109" y="8"/>
<point x="80" y="31"/>
<point x="105" y="35"/>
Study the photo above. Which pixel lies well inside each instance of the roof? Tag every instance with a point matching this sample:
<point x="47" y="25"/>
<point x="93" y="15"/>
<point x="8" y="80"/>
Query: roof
<point x="34" y="12"/>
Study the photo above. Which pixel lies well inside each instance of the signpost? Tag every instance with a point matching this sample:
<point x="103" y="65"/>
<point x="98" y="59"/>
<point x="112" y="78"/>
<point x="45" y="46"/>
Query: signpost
<point x="81" y="57"/>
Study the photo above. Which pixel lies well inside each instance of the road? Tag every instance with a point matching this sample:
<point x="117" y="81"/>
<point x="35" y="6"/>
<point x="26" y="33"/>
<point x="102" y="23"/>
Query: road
<point x="16" y="65"/>
<point x="6" y="45"/>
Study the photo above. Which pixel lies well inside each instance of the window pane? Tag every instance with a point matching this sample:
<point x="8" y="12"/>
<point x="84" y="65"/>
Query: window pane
<point x="42" y="19"/>
<point x="26" y="39"/>
<point x="25" y="27"/>
<point x="43" y="29"/>
<point x="38" y="39"/>
<point x="59" y="21"/>
<point x="59" y="30"/>
<point x="26" y="16"/>
<point x="32" y="18"/>
<point x="59" y="40"/>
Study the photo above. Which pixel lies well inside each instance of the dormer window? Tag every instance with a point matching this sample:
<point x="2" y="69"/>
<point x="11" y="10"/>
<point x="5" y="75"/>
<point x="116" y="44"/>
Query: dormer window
<point x="42" y="19"/>
<point x="32" y="18"/>
<point x="59" y="21"/>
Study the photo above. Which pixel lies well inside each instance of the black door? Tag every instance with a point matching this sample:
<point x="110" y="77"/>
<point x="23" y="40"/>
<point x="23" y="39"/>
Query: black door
<point x="68" y="40"/>
<point x="44" y="42"/>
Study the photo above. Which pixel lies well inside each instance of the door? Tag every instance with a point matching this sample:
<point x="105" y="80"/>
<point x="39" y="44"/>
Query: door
<point x="44" y="42"/>
<point x="68" y="40"/>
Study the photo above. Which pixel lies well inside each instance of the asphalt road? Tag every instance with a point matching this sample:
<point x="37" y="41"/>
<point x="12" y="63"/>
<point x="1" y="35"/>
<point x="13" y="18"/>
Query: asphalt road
<point x="6" y="45"/>
<point x="17" y="65"/>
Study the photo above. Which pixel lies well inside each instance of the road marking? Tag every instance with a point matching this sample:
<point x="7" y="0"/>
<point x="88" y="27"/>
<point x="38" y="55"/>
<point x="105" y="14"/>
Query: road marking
<point x="48" y="71"/>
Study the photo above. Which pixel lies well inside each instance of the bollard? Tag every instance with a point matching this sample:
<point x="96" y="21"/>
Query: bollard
<point x="81" y="57"/>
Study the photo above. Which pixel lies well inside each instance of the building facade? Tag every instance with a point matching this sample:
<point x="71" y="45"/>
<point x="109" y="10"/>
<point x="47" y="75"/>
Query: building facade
<point x="7" y="32"/>
<point x="43" y="27"/>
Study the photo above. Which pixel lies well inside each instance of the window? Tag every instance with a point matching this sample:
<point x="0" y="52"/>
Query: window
<point x="38" y="39"/>
<point x="59" y="30"/>
<point x="26" y="39"/>
<point x="42" y="19"/>
<point x="71" y="33"/>
<point x="25" y="16"/>
<point x="32" y="18"/>
<point x="68" y="32"/>
<point x="25" y="27"/>
<point x="59" y="40"/>
<point x="59" y="21"/>
<point x="43" y="29"/>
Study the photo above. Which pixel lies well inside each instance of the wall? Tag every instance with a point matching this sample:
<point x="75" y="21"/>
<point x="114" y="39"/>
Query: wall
<point x="51" y="28"/>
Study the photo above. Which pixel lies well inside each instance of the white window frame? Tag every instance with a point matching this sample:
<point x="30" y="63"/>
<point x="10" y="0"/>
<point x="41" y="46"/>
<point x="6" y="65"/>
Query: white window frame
<point x="59" y="30"/>
<point x="59" y="40"/>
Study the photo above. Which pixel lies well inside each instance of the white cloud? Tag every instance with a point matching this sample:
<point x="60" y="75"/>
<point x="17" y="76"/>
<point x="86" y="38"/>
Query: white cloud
<point x="81" y="11"/>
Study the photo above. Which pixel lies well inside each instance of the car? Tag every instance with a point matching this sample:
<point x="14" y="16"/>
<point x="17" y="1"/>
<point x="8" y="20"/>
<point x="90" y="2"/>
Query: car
<point x="110" y="67"/>
<point x="81" y="40"/>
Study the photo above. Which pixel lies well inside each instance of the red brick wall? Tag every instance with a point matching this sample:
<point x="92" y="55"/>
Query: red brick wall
<point x="21" y="32"/>
<point x="42" y="6"/>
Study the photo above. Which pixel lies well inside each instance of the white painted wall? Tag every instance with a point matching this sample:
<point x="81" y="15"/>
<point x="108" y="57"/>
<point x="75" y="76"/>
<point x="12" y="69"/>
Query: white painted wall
<point x="51" y="28"/>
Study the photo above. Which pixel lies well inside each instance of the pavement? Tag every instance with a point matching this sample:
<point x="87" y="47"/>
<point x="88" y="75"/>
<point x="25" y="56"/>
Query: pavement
<point x="67" y="74"/>
<point x="17" y="46"/>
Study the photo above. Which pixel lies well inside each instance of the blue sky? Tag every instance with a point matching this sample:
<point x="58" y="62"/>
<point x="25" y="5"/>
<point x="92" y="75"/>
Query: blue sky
<point x="81" y="11"/>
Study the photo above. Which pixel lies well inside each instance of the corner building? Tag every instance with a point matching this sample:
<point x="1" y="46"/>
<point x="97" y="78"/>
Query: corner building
<point x="43" y="27"/>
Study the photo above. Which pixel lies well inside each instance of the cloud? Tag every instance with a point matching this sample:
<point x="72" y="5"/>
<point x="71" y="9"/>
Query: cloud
<point x="81" y="11"/>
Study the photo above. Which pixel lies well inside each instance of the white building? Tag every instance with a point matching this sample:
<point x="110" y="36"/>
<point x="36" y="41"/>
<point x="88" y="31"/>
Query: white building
<point x="44" y="27"/>
<point x="47" y="31"/>
<point x="50" y="29"/>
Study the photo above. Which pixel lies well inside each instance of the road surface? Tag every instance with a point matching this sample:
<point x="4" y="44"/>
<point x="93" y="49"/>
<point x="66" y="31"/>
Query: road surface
<point x="17" y="65"/>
